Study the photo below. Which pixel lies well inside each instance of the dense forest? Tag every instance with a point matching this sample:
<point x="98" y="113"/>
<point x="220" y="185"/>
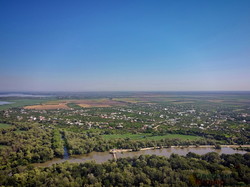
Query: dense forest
<point x="23" y="144"/>
<point x="192" y="170"/>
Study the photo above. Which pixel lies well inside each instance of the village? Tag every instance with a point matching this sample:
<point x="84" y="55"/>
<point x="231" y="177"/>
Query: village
<point x="140" y="118"/>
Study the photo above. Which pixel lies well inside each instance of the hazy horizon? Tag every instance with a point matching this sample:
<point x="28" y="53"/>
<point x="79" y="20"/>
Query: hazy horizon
<point x="91" y="46"/>
<point x="131" y="91"/>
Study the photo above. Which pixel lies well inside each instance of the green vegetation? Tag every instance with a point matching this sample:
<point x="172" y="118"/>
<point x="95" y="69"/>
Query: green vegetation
<point x="30" y="144"/>
<point x="57" y="143"/>
<point x="73" y="105"/>
<point x="149" y="136"/>
<point x="175" y="136"/>
<point x="3" y="125"/>
<point x="192" y="170"/>
<point x="126" y="136"/>
<point x="30" y="136"/>
<point x="22" y="103"/>
<point x="81" y="143"/>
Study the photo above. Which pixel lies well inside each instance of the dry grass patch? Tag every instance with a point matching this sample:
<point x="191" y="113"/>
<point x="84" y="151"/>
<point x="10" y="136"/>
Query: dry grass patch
<point x="216" y="101"/>
<point x="85" y="103"/>
<point x="48" y="106"/>
<point x="97" y="103"/>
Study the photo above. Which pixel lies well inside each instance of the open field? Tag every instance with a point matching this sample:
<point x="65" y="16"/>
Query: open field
<point x="149" y="136"/>
<point x="85" y="103"/>
<point x="48" y="106"/>
<point x="129" y="100"/>
<point x="98" y="103"/>
<point x="151" y="99"/>
<point x="216" y="101"/>
<point x="182" y="102"/>
<point x="4" y="126"/>
<point x="137" y="99"/>
<point x="22" y="103"/>
<point x="184" y="98"/>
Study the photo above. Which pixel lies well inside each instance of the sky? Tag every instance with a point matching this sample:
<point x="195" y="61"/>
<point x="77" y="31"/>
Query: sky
<point x="125" y="45"/>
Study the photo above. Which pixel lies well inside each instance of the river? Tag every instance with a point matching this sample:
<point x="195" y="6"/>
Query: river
<point x="100" y="157"/>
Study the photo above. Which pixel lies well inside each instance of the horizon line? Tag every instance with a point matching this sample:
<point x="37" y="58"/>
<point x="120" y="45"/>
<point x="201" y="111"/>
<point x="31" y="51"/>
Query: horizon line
<point x="128" y="91"/>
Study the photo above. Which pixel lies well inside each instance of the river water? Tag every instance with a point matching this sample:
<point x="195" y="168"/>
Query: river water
<point x="66" y="154"/>
<point x="100" y="157"/>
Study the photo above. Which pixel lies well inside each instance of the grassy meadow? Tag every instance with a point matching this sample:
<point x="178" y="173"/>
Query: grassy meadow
<point x="149" y="136"/>
<point x="4" y="126"/>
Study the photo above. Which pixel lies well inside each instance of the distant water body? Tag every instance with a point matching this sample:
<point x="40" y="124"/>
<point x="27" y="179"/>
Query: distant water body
<point x="22" y="95"/>
<point x="5" y="103"/>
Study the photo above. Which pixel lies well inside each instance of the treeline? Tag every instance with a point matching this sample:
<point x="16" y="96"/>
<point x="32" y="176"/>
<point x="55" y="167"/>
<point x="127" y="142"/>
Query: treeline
<point x="210" y="169"/>
<point x="25" y="145"/>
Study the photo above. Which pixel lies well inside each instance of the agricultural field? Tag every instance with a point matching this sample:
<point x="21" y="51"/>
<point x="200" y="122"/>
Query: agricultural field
<point x="47" y="106"/>
<point x="130" y="100"/>
<point x="84" y="103"/>
<point x="187" y="98"/>
<point x="98" y="103"/>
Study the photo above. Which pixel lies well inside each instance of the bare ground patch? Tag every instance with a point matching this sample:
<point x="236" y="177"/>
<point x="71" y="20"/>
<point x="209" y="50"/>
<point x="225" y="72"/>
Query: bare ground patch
<point x="85" y="103"/>
<point x="48" y="106"/>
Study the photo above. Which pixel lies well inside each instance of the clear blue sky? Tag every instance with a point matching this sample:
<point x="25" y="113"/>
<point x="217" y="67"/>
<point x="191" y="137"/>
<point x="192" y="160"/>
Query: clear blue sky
<point x="145" y="45"/>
